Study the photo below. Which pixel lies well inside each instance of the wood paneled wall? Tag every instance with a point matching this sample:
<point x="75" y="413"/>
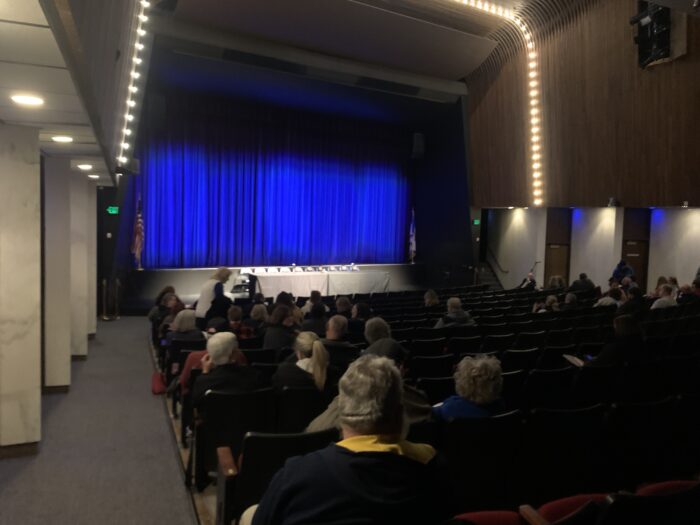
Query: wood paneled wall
<point x="610" y="128"/>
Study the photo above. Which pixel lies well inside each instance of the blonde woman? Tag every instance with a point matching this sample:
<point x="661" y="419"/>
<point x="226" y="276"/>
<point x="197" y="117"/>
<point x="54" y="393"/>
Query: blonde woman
<point x="478" y="383"/>
<point x="211" y="289"/>
<point x="310" y="369"/>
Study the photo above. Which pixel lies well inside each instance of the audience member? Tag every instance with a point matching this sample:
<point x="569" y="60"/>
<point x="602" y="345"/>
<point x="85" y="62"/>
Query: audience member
<point x="628" y="346"/>
<point x="235" y="320"/>
<point x="550" y="304"/>
<point x="210" y="290"/>
<point x="431" y="299"/>
<point x="665" y="299"/>
<point x="311" y="368"/>
<point x="257" y="320"/>
<point x="570" y="302"/>
<point x="416" y="404"/>
<point x="287" y="300"/>
<point x="376" y="329"/>
<point x="660" y="282"/>
<point x="281" y="328"/>
<point x="556" y="282"/>
<point x="373" y="476"/>
<point x="689" y="294"/>
<point x="159" y="298"/>
<point x="455" y="314"/>
<point x="173" y="306"/>
<point x="673" y="282"/>
<point x="628" y="283"/>
<point x="194" y="359"/>
<point x="361" y="312"/>
<point x="478" y="383"/>
<point x="340" y="351"/>
<point x="316" y="321"/>
<point x="613" y="297"/>
<point x="529" y="282"/>
<point x="634" y="305"/>
<point x="621" y="271"/>
<point x="582" y="284"/>
<point x="343" y="307"/>
<point x="314" y="299"/>
<point x="184" y="328"/>
<point x="221" y="372"/>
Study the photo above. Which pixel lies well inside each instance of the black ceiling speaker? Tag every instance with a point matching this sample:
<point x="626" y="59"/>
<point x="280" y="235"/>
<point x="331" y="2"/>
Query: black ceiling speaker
<point x="653" y="32"/>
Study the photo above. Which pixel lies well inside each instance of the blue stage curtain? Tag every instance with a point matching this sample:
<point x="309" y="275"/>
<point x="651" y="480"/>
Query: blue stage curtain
<point x="226" y="182"/>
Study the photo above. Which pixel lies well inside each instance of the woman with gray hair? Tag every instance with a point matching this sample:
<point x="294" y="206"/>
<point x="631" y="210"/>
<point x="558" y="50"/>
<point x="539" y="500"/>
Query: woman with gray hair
<point x="372" y="476"/>
<point x="478" y="383"/>
<point x="184" y="328"/>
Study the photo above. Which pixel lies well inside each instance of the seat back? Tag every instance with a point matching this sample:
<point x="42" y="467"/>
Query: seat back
<point x="459" y="345"/>
<point x="428" y="347"/>
<point x="521" y="359"/>
<point x="680" y="508"/>
<point x="297" y="407"/>
<point x="263" y="455"/>
<point x="480" y="453"/>
<point x="266" y="371"/>
<point x="594" y="384"/>
<point x="260" y="355"/>
<point x="497" y="343"/>
<point x="548" y="388"/>
<point x="534" y="339"/>
<point x="553" y="356"/>
<point x="512" y="392"/>
<point x="436" y="388"/>
<point x="439" y="366"/>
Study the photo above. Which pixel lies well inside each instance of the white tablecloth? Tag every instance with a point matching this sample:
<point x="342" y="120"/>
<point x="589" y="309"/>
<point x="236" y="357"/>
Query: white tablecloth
<point x="328" y="283"/>
<point x="342" y="283"/>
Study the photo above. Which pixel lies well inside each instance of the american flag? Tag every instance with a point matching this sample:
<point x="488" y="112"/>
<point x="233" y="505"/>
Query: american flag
<point x="412" y="237"/>
<point x="138" y="236"/>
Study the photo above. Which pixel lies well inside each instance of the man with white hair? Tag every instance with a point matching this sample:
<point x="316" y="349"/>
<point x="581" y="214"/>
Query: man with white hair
<point x="455" y="314"/>
<point x="221" y="372"/>
<point x="340" y="351"/>
<point x="372" y="476"/>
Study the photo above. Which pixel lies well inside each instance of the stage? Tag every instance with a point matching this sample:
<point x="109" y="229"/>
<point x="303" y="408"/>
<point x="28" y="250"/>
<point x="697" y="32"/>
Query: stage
<point x="142" y="287"/>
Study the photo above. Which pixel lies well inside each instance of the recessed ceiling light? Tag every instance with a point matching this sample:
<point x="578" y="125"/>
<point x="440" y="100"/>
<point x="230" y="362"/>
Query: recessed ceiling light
<point x="63" y="139"/>
<point x="93" y="176"/>
<point x="27" y="100"/>
<point x="85" y="167"/>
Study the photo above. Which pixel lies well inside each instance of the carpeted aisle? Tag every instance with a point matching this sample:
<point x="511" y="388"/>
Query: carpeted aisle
<point x="107" y="453"/>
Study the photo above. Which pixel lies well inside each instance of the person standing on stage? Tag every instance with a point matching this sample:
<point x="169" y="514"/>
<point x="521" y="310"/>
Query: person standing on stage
<point x="212" y="289"/>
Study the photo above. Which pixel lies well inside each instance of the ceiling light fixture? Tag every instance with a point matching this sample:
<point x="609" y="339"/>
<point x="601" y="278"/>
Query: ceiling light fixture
<point x="27" y="100"/>
<point x="93" y="176"/>
<point x="63" y="139"/>
<point x="534" y="94"/>
<point x="84" y="167"/>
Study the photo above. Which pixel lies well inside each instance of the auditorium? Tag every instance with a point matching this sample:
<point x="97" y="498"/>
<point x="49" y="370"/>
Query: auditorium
<point x="350" y="262"/>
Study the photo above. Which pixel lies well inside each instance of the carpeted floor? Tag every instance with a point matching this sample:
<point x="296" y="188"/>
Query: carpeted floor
<point x="107" y="453"/>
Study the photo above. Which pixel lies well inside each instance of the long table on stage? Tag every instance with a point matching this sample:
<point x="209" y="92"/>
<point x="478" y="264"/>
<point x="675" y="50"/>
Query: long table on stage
<point x="328" y="283"/>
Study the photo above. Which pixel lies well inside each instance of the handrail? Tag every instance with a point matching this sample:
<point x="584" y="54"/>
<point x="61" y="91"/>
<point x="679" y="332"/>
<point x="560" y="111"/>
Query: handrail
<point x="502" y="270"/>
<point x="534" y="265"/>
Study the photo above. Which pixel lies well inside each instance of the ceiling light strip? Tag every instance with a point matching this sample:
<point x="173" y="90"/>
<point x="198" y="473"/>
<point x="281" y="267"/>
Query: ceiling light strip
<point x="534" y="92"/>
<point x="130" y="104"/>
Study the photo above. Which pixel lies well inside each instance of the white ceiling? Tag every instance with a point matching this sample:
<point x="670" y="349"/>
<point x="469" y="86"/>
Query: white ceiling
<point x="31" y="62"/>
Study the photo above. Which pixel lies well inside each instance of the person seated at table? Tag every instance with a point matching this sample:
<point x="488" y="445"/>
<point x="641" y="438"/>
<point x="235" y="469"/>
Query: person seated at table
<point x="311" y="369"/>
<point x="341" y="352"/>
<point x="478" y="383"/>
<point x="372" y="476"/>
<point x="220" y="370"/>
<point x="360" y="313"/>
<point x="314" y="299"/>
<point x="343" y="307"/>
<point x="281" y="328"/>
<point x="455" y="315"/>
<point x="316" y="321"/>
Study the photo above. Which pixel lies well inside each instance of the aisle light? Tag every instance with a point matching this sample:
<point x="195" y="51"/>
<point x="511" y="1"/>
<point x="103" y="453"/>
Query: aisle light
<point x="534" y="95"/>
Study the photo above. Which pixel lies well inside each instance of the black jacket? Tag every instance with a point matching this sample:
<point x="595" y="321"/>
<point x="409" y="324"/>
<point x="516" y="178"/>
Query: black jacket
<point x="335" y="486"/>
<point x="341" y="353"/>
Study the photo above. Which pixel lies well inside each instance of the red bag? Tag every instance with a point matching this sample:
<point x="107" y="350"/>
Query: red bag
<point x="158" y="386"/>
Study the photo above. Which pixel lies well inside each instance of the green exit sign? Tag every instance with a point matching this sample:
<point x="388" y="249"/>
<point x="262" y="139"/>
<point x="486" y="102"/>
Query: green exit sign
<point x="476" y="222"/>
<point x="113" y="210"/>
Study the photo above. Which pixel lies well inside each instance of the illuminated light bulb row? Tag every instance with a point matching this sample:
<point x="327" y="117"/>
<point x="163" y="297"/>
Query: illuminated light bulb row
<point x="534" y="94"/>
<point x="135" y="74"/>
